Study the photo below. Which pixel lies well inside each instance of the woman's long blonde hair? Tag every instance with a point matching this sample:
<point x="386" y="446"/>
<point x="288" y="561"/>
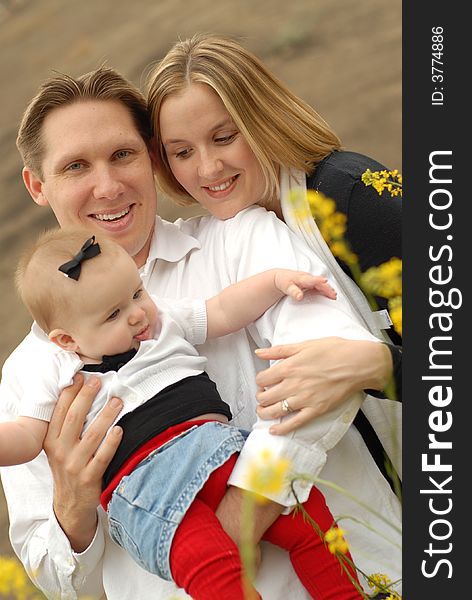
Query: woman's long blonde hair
<point x="280" y="128"/>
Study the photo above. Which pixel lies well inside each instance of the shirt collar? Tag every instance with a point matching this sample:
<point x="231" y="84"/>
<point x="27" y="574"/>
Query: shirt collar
<point x="168" y="243"/>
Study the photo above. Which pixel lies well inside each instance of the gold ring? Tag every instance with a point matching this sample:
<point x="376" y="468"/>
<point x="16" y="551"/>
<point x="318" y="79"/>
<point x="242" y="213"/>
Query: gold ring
<point x="285" y="406"/>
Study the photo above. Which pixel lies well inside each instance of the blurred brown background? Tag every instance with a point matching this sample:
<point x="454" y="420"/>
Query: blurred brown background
<point x="342" y="56"/>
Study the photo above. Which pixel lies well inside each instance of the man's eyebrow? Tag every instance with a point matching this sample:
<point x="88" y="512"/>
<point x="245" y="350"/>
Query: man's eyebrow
<point x="81" y="153"/>
<point x="224" y="123"/>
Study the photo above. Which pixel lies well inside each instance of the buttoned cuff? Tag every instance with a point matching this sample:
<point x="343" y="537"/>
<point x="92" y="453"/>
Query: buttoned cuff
<point x="305" y="448"/>
<point x="73" y="568"/>
<point x="302" y="458"/>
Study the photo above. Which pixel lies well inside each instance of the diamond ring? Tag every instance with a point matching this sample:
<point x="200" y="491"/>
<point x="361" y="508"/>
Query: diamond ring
<point x="285" y="406"/>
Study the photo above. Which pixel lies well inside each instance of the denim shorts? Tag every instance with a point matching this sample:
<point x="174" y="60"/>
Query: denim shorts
<point x="148" y="505"/>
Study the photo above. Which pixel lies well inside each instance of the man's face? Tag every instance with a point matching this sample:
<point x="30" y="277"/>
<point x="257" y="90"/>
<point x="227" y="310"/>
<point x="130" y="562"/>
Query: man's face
<point x="97" y="173"/>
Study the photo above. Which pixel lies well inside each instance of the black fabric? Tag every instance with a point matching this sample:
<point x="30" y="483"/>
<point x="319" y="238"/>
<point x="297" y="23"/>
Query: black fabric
<point x="374" y="446"/>
<point x="374" y="234"/>
<point x="373" y="220"/>
<point x="179" y="402"/>
<point x="113" y="362"/>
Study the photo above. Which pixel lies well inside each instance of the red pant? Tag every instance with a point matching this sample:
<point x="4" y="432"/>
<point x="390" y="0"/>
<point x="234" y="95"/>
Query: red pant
<point x="205" y="561"/>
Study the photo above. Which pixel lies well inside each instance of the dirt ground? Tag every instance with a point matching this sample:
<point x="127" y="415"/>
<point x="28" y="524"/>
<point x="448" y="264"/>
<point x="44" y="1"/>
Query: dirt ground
<point x="342" y="56"/>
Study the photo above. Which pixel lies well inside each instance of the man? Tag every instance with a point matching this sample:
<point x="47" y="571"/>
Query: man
<point x="85" y="145"/>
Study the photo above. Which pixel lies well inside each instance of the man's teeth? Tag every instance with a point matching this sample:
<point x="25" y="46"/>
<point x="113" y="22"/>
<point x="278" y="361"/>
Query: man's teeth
<point x="111" y="217"/>
<point x="223" y="186"/>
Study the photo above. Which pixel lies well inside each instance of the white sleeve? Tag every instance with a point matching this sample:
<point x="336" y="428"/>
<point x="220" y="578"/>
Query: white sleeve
<point x="273" y="245"/>
<point x="39" y="541"/>
<point x="35" y="534"/>
<point x="189" y="314"/>
<point x="33" y="376"/>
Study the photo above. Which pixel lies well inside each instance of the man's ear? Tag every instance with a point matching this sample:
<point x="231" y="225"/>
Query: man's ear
<point x="34" y="186"/>
<point x="64" y="340"/>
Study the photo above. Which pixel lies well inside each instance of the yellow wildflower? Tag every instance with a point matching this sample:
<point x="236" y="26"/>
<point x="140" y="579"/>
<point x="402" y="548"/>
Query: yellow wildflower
<point x="341" y="249"/>
<point x="14" y="582"/>
<point x="335" y="540"/>
<point x="384" y="280"/>
<point x="391" y="181"/>
<point x="333" y="227"/>
<point x="321" y="206"/>
<point x="378" y="581"/>
<point x="267" y="475"/>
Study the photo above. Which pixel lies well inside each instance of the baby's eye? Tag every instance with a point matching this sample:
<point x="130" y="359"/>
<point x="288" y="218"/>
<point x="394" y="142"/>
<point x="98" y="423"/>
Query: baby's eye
<point x="113" y="315"/>
<point x="137" y="294"/>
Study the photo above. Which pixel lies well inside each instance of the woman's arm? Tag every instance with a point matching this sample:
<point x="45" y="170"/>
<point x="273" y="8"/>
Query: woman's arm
<point x="21" y="440"/>
<point x="317" y="376"/>
<point x="243" y="302"/>
<point x="287" y="322"/>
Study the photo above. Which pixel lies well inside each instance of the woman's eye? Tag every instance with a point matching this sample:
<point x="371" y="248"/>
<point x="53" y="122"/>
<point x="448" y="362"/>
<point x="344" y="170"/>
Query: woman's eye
<point x="113" y="315"/>
<point x="225" y="139"/>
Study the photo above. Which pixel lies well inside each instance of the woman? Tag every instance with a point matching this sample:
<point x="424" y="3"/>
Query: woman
<point x="230" y="135"/>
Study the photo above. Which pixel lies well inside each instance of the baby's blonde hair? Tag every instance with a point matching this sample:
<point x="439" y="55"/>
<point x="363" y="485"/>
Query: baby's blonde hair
<point x="48" y="294"/>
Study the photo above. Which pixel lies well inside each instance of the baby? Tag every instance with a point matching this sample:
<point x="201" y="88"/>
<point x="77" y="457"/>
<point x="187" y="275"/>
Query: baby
<point x="169" y="473"/>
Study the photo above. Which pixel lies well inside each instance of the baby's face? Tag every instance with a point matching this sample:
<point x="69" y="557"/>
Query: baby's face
<point x="115" y="312"/>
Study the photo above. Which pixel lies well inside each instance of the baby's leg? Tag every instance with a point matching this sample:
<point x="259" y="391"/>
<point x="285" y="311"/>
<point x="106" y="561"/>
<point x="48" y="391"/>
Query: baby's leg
<point x="204" y="560"/>
<point x="318" y="569"/>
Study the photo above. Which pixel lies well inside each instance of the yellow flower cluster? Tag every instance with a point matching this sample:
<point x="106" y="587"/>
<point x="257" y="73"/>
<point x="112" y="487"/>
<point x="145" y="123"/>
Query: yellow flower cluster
<point x="14" y="582"/>
<point x="384" y="280"/>
<point x="334" y="537"/>
<point x="332" y="225"/>
<point x="391" y="181"/>
<point x="267" y="475"/>
<point x="381" y="583"/>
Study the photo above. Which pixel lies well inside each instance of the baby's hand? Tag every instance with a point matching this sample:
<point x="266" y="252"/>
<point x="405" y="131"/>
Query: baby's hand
<point x="294" y="283"/>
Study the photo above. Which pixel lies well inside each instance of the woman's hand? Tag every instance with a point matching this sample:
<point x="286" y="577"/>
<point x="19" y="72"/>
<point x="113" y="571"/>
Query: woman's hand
<point x="294" y="283"/>
<point x="78" y="464"/>
<point x="315" y="376"/>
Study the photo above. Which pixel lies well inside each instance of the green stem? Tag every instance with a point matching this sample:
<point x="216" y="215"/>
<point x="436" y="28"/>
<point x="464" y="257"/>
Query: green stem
<point x="337" y="488"/>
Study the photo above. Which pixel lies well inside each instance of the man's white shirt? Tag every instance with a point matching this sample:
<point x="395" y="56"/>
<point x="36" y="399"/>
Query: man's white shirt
<point x="197" y="258"/>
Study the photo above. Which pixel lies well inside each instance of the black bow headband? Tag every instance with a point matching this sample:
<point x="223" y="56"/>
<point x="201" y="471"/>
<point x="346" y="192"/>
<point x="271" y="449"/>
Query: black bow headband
<point x="73" y="267"/>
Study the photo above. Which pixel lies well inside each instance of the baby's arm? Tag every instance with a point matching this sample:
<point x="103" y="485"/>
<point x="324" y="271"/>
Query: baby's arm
<point x="244" y="302"/>
<point x="21" y="440"/>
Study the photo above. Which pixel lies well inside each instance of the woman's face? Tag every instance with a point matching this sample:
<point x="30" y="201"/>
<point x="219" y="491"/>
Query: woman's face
<point x="208" y="155"/>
